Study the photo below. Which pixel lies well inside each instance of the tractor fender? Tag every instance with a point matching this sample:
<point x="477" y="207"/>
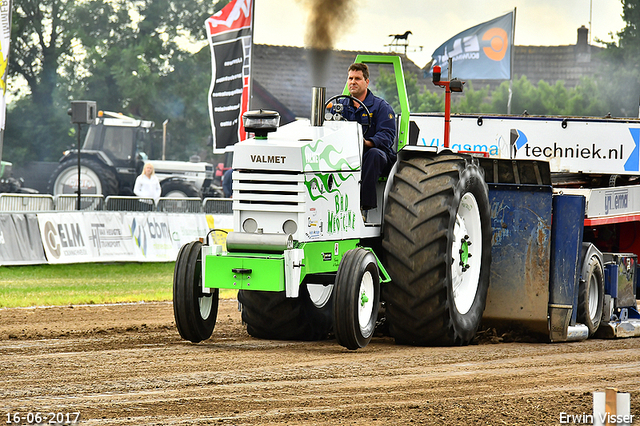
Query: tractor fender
<point x="588" y="250"/>
<point x="97" y="155"/>
<point x="174" y="179"/>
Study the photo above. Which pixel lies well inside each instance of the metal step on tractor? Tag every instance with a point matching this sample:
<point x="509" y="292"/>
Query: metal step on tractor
<point x="458" y="239"/>
<point x="113" y="155"/>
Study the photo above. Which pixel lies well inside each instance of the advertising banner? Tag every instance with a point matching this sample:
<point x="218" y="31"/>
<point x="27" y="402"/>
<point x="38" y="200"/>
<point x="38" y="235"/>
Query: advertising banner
<point x="5" y="42"/>
<point x="186" y="228"/>
<point x="20" y="242"/>
<point x="230" y="36"/>
<point x="158" y="237"/>
<point x="65" y="237"/>
<point x="569" y="145"/>
<point x="76" y="237"/>
<point x="110" y="239"/>
<point x="481" y="52"/>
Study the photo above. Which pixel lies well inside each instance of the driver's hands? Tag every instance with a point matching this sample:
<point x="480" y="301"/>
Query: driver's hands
<point x="368" y="144"/>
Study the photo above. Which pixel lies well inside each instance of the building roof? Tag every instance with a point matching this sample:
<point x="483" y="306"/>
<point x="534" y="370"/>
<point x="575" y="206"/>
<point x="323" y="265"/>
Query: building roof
<point x="286" y="74"/>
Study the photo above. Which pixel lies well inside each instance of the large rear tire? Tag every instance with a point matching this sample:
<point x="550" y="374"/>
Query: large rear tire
<point x="96" y="177"/>
<point x="591" y="296"/>
<point x="174" y="188"/>
<point x="437" y="247"/>
<point x="272" y="315"/>
<point x="357" y="298"/>
<point x="194" y="312"/>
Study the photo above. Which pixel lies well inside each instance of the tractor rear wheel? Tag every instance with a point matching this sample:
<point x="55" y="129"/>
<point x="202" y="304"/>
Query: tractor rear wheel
<point x="437" y="247"/>
<point x="357" y="298"/>
<point x="272" y="315"/>
<point x="591" y="296"/>
<point x="194" y="311"/>
<point x="96" y="177"/>
<point x="175" y="188"/>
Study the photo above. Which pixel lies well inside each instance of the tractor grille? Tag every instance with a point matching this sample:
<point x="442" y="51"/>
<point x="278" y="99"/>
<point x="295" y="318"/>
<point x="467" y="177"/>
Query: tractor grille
<point x="259" y="190"/>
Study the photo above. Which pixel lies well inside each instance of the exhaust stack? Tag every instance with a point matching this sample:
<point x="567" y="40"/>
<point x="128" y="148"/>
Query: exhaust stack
<point x="317" y="107"/>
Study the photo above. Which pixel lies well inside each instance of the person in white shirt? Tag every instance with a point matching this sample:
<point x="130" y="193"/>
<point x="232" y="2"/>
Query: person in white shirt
<point x="147" y="184"/>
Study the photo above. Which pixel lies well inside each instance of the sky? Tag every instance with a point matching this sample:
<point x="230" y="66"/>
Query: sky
<point x="432" y="22"/>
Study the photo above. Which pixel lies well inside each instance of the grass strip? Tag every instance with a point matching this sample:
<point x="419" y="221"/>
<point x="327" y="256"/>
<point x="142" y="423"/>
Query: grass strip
<point x="87" y="283"/>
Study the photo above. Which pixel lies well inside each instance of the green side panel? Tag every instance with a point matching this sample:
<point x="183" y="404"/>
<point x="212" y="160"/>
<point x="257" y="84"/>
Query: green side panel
<point x="403" y="131"/>
<point x="325" y="256"/>
<point x="264" y="273"/>
<point x="267" y="274"/>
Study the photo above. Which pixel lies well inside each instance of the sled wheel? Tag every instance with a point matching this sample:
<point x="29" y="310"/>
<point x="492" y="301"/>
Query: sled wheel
<point x="437" y="250"/>
<point x="357" y="298"/>
<point x="272" y="315"/>
<point x="591" y="296"/>
<point x="194" y="312"/>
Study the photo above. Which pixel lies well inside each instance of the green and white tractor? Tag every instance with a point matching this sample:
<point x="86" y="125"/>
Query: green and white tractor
<point x="306" y="263"/>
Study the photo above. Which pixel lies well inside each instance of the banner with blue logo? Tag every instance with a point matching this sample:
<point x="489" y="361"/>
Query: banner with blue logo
<point x="482" y="52"/>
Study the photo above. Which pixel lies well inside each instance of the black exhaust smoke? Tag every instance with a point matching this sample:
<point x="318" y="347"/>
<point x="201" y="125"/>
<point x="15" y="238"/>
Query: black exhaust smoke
<point x="327" y="19"/>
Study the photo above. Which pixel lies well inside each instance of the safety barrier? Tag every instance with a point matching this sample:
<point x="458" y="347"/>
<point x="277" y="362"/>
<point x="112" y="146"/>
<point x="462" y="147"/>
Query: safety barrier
<point x="93" y="202"/>
<point x="26" y="202"/>
<point x="218" y="205"/>
<point x="69" y="202"/>
<point x="180" y="205"/>
<point x="129" y="204"/>
<point x="98" y="236"/>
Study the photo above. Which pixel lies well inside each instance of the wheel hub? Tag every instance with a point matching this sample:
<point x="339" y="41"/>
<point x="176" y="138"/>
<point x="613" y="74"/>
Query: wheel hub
<point x="205" y="304"/>
<point x="464" y="253"/>
<point x="365" y="308"/>
<point x="363" y="299"/>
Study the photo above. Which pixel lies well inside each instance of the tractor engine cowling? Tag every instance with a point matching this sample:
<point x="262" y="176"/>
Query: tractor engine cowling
<point x="301" y="180"/>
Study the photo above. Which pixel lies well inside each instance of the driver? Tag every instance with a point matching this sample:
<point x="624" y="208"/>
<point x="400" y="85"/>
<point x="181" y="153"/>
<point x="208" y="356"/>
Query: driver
<point x="379" y="153"/>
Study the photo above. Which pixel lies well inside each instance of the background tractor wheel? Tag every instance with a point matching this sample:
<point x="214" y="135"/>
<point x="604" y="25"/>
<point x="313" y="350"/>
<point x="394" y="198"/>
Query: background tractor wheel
<point x="357" y="298"/>
<point x="437" y="248"/>
<point x="195" y="313"/>
<point x="96" y="178"/>
<point x="591" y="296"/>
<point x="174" y="188"/>
<point x="271" y="315"/>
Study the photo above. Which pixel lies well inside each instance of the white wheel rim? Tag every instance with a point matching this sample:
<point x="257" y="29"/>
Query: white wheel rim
<point x="366" y="299"/>
<point x="205" y="306"/>
<point x="593" y="297"/>
<point x="319" y="294"/>
<point x="176" y="194"/>
<point x="466" y="251"/>
<point x="67" y="182"/>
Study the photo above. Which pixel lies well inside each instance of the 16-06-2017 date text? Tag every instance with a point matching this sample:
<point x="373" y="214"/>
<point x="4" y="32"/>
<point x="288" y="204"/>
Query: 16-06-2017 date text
<point x="42" y="418"/>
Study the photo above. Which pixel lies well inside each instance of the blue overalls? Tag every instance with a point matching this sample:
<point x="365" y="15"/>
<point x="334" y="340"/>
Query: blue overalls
<point x="382" y="132"/>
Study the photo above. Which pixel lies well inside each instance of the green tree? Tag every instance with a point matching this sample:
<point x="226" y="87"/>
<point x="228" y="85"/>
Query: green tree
<point x="420" y="99"/>
<point x="471" y="101"/>
<point x="41" y="40"/>
<point x="122" y="54"/>
<point x="619" y="80"/>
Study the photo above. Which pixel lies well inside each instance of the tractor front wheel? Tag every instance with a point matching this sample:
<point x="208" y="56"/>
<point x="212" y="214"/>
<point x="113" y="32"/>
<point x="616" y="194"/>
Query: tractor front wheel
<point x="194" y="311"/>
<point x="357" y="298"/>
<point x="437" y="248"/>
<point x="272" y="315"/>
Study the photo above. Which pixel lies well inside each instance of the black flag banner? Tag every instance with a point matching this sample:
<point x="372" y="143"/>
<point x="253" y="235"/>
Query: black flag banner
<point x="230" y="38"/>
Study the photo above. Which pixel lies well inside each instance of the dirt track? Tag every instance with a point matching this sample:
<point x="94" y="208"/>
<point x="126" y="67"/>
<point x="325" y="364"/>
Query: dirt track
<point x="126" y="364"/>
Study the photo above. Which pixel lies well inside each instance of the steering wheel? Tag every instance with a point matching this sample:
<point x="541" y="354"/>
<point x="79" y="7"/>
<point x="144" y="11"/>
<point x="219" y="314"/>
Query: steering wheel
<point x="338" y="115"/>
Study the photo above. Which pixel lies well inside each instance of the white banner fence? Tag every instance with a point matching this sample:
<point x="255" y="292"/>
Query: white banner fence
<point x="101" y="236"/>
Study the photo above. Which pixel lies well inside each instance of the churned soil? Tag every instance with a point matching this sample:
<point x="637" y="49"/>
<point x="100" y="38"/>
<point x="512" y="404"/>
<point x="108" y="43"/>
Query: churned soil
<point x="126" y="364"/>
